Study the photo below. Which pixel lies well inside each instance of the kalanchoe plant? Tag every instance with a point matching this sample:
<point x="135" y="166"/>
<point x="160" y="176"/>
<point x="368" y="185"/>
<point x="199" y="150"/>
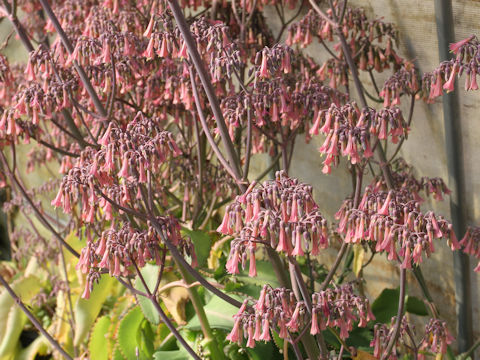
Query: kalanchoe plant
<point x="151" y="112"/>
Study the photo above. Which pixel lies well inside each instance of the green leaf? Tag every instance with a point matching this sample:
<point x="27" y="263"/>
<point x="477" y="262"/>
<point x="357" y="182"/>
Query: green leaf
<point x="219" y="315"/>
<point x="87" y="310"/>
<point x="249" y="289"/>
<point x="358" y="256"/>
<point x="25" y="288"/>
<point x="265" y="275"/>
<point x="450" y="355"/>
<point x="263" y="351"/>
<point x="172" y="355"/>
<point x="415" y="306"/>
<point x="203" y="243"/>
<point x="359" y="338"/>
<point x="385" y="305"/>
<point x="117" y="354"/>
<point x="279" y="342"/>
<point x="147" y="336"/>
<point x="15" y="322"/>
<point x="150" y="275"/>
<point x="12" y="318"/>
<point x="128" y="335"/>
<point x="96" y="346"/>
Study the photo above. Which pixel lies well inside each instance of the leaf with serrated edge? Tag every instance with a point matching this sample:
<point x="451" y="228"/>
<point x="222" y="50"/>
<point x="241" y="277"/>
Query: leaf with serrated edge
<point x="171" y="355"/>
<point x="86" y="310"/>
<point x="127" y="334"/>
<point x="386" y="305"/>
<point x="117" y="354"/>
<point x="120" y="309"/>
<point x="96" y="345"/>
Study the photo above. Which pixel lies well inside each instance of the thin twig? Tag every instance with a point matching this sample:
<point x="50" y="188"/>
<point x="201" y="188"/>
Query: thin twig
<point x="207" y="85"/>
<point x="209" y="136"/>
<point x="248" y="150"/>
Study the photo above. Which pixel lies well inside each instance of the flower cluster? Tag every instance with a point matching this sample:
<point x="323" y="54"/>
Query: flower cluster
<point x="394" y="223"/>
<point x="285" y="102"/>
<point x="350" y="131"/>
<point x="364" y="37"/>
<point x="281" y="214"/>
<point x="467" y="61"/>
<point x="273" y="60"/>
<point x="339" y="307"/>
<point x="404" y="178"/>
<point x="278" y="310"/>
<point x="34" y="101"/>
<point x="126" y="155"/>
<point x="437" y="338"/>
<point x="118" y="251"/>
<point x="382" y="335"/>
<point x="471" y="243"/>
<point x="402" y="82"/>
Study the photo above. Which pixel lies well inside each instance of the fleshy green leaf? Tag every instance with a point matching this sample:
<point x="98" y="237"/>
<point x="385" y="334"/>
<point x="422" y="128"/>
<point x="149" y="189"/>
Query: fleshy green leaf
<point x="117" y="354"/>
<point x="15" y="322"/>
<point x="12" y="319"/>
<point x="128" y="335"/>
<point x="263" y="351"/>
<point x="265" y="275"/>
<point x="359" y="338"/>
<point x="415" y="306"/>
<point x="150" y="274"/>
<point x="146" y="339"/>
<point x="172" y="355"/>
<point x="203" y="244"/>
<point x="96" y="346"/>
<point x="219" y="314"/>
<point x="385" y="305"/>
<point x="87" y="310"/>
